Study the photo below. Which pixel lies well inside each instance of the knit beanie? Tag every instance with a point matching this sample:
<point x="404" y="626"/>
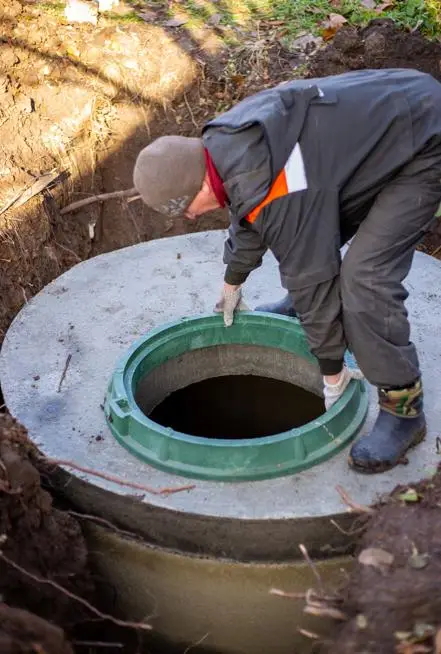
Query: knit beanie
<point x="169" y="172"/>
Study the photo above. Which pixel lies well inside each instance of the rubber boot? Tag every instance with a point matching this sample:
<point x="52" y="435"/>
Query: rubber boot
<point x="400" y="425"/>
<point x="282" y="307"/>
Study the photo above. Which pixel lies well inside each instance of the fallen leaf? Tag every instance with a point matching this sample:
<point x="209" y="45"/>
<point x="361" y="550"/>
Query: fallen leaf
<point x="238" y="80"/>
<point x="383" y="6"/>
<point x="148" y="16"/>
<point x="332" y="25"/>
<point x="369" y="4"/>
<point x="336" y="21"/>
<point x="361" y="621"/>
<point x="175" y="22"/>
<point x="215" y="19"/>
<point x="410" y="495"/>
<point x="376" y="557"/>
<point x="422" y="630"/>
<point x="305" y="43"/>
<point x="418" y="561"/>
<point x="328" y="33"/>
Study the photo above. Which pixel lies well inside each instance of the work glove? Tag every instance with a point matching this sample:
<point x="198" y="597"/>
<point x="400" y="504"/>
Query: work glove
<point x="229" y="302"/>
<point x="333" y="392"/>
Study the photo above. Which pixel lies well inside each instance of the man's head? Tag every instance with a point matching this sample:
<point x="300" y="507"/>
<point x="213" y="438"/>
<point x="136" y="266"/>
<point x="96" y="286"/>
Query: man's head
<point x="170" y="175"/>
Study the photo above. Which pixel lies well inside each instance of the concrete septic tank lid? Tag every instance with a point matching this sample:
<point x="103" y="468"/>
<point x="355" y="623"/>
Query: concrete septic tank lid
<point x="94" y="312"/>
<point x="210" y="342"/>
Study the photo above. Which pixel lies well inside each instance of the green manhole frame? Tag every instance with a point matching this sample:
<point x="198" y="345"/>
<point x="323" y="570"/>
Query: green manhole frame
<point x="224" y="459"/>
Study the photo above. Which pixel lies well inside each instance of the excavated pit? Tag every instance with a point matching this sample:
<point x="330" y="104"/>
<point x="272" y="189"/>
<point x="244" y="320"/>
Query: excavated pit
<point x="238" y="406"/>
<point x="232" y="391"/>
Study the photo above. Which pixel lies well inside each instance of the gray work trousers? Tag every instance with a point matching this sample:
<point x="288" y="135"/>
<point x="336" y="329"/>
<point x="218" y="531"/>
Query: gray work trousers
<point x="378" y="260"/>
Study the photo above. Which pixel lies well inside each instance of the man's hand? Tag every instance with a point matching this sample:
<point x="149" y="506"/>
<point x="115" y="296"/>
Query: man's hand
<point x="229" y="302"/>
<point x="335" y="385"/>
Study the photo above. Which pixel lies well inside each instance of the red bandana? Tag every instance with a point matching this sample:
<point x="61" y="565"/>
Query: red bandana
<point x="216" y="183"/>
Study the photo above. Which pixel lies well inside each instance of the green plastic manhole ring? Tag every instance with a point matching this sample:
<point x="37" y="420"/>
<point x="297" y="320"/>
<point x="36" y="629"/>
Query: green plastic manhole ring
<point x="224" y="459"/>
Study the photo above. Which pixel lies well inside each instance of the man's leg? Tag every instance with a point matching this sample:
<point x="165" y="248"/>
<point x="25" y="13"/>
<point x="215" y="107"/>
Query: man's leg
<point x="374" y="315"/>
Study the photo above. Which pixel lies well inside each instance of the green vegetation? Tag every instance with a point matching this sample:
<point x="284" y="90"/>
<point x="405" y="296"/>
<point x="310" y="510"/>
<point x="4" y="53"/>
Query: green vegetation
<point x="310" y="16"/>
<point x="131" y="17"/>
<point x="295" y="15"/>
<point x="54" y="8"/>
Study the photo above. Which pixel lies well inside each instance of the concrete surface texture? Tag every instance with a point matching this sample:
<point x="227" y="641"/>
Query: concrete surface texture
<point x="95" y="311"/>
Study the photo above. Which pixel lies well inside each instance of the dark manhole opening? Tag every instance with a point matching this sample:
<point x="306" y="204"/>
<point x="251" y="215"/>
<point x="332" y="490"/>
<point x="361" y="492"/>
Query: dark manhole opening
<point x="237" y="406"/>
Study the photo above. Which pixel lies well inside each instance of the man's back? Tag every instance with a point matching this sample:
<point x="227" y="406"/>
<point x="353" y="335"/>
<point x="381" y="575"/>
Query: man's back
<point x="355" y="133"/>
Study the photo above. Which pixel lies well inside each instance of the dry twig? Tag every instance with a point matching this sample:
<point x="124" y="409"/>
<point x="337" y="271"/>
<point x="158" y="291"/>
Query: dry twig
<point x="309" y="634"/>
<point x="102" y="521"/>
<point x="66" y="249"/>
<point x="313" y="567"/>
<point x="101" y="197"/>
<point x="76" y="598"/>
<point x="325" y="612"/>
<point x="282" y="593"/>
<point x="359" y="508"/>
<point x="352" y="532"/>
<point x="197" y="643"/>
<point x="135" y="197"/>
<point x="436" y="251"/>
<point x="118" y="480"/>
<point x="190" y="111"/>
<point x="63" y="374"/>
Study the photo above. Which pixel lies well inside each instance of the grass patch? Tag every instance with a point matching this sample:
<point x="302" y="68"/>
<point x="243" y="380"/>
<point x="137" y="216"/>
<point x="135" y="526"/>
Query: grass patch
<point x="130" y="17"/>
<point x="53" y="8"/>
<point x="304" y="15"/>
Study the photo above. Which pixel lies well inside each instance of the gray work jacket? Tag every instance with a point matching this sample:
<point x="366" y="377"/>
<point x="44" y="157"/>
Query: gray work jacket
<point x="354" y="132"/>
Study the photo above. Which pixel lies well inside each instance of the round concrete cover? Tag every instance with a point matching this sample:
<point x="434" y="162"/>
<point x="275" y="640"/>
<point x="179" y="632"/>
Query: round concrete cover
<point x="96" y="310"/>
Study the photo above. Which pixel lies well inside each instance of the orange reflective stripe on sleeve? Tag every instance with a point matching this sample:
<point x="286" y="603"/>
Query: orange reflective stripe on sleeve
<point x="290" y="180"/>
<point x="277" y="190"/>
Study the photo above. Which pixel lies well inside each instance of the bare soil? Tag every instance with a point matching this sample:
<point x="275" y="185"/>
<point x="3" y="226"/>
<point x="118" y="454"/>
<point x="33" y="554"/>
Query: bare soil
<point x="37" y="541"/>
<point x="380" y="45"/>
<point x="82" y="100"/>
<point x="396" y="606"/>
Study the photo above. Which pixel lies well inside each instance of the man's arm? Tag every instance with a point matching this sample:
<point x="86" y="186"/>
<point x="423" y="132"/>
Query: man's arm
<point x="243" y="253"/>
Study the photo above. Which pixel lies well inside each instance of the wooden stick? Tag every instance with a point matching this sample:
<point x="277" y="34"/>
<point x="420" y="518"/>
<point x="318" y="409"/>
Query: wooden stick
<point x="80" y="600"/>
<point x="281" y="593"/>
<point x="309" y="634"/>
<point x="325" y="612"/>
<point x="102" y="521"/>
<point x="313" y="567"/>
<point x="436" y="251"/>
<point x="118" y="480"/>
<point x="63" y="374"/>
<point x="360" y="508"/>
<point x="127" y="193"/>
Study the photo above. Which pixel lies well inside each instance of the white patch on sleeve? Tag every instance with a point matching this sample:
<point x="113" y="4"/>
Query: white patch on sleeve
<point x="295" y="171"/>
